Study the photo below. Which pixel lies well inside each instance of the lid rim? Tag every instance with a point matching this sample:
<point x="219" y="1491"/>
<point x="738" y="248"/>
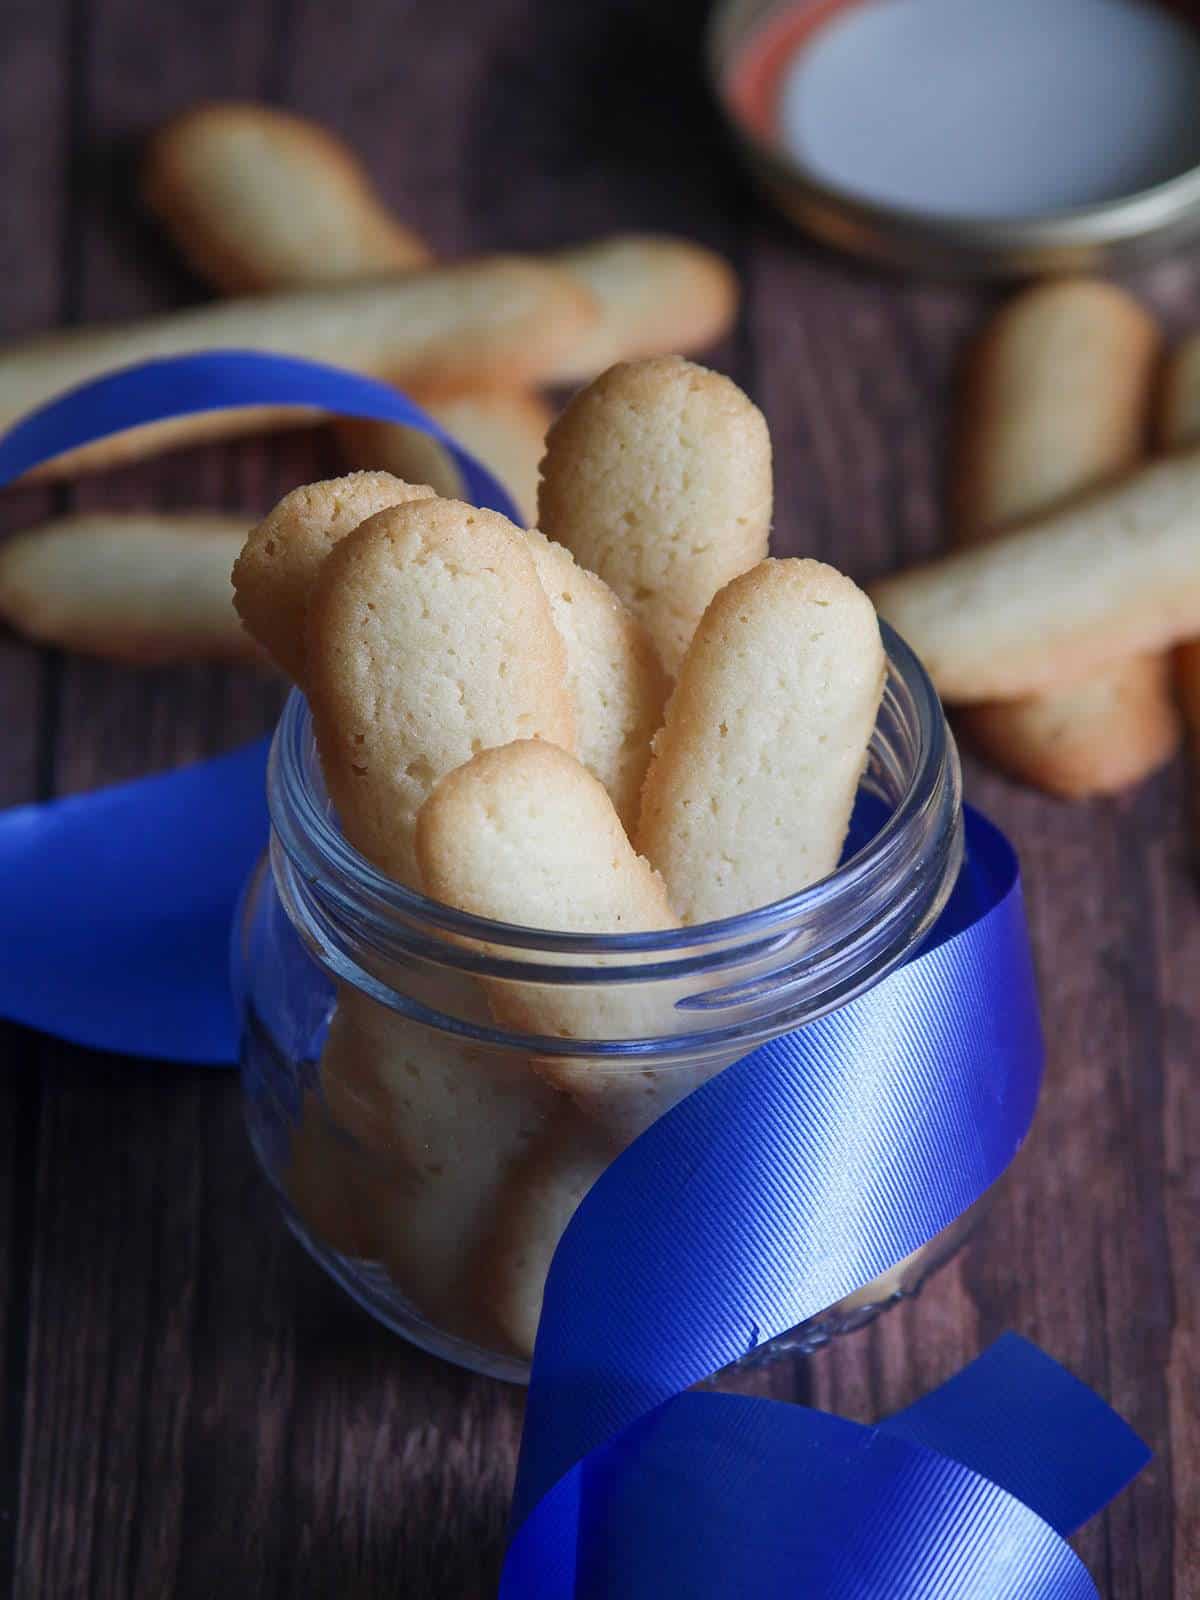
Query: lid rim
<point x="906" y="236"/>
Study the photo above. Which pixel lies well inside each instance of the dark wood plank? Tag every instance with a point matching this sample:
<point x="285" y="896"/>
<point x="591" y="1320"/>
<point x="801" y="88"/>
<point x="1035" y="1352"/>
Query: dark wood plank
<point x="34" y="127"/>
<point x="118" y="1266"/>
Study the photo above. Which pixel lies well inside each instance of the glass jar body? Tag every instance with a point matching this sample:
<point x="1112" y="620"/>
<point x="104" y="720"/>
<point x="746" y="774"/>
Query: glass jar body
<point x="430" y="1159"/>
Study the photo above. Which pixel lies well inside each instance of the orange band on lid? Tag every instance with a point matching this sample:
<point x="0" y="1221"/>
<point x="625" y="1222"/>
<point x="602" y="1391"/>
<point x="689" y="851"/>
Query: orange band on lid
<point x="753" y="80"/>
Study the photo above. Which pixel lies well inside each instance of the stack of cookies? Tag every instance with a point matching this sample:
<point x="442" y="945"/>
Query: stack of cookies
<point x="491" y="712"/>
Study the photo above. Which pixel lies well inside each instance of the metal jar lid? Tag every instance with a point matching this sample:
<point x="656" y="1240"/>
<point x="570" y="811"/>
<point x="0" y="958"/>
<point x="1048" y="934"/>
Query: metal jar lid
<point x="1110" y="234"/>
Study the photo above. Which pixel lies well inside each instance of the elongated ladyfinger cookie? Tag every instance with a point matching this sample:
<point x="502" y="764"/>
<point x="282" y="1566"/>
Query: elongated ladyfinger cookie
<point x="755" y="770"/>
<point x="429" y="637"/>
<point x="1110" y="576"/>
<point x="499" y="321"/>
<point x="1057" y="396"/>
<point x="655" y="295"/>
<point x="658" y="478"/>
<point x="537" y="1199"/>
<point x="525" y="834"/>
<point x="257" y="198"/>
<point x="275" y="570"/>
<point x="1054" y="402"/>
<point x="616" y="682"/>
<point x="145" y="587"/>
<point x="260" y="199"/>
<point x="503" y="428"/>
<point x="1097" y="736"/>
<point x="432" y="1125"/>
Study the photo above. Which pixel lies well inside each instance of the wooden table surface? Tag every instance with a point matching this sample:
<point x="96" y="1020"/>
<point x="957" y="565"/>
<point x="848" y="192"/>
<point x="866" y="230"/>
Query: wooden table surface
<point x="189" y="1407"/>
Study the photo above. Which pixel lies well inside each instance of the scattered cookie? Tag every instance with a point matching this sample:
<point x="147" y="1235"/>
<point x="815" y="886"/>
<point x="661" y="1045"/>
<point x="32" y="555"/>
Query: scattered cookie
<point x="655" y="295"/>
<point x="278" y="565"/>
<point x="503" y="428"/>
<point x="1057" y="395"/>
<point x="1097" y="736"/>
<point x="144" y="588"/>
<point x="429" y="639"/>
<point x="257" y="198"/>
<point x="658" y="478"/>
<point x="754" y="774"/>
<point x="502" y="321"/>
<point x="1054" y="402"/>
<point x="1114" y="575"/>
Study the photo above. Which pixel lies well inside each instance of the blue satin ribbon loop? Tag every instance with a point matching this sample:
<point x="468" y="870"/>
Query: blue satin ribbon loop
<point x="224" y="380"/>
<point x="796" y="1176"/>
<point x="116" y="908"/>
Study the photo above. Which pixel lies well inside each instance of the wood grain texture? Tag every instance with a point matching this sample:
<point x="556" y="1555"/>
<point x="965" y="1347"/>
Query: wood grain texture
<point x="188" y="1406"/>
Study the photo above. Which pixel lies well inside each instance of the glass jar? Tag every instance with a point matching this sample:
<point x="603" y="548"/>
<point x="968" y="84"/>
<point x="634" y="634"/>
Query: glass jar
<point x="417" y="1152"/>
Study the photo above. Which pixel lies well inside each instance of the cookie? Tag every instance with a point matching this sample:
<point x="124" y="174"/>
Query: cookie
<point x="616" y="682"/>
<point x="1110" y="576"/>
<point x="505" y="429"/>
<point x="754" y="773"/>
<point x="657" y="477"/>
<point x="1097" y="736"/>
<point x="524" y="834"/>
<point x="501" y="321"/>
<point x="655" y="294"/>
<point x="257" y="198"/>
<point x="144" y="588"/>
<point x="429" y="1125"/>
<point x="534" y="1204"/>
<point x="429" y="639"/>
<point x="1056" y="402"/>
<point x="278" y="565"/>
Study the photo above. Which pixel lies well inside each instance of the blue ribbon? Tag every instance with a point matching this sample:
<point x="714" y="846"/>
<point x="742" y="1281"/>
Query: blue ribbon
<point x="115" y="915"/>
<point x="796" y="1176"/>
<point x="223" y="380"/>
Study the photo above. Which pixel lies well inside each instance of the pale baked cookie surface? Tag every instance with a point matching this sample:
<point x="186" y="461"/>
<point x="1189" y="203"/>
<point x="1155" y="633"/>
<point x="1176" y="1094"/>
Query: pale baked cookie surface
<point x="655" y="293"/>
<point x="1109" y="576"/>
<point x="505" y="428"/>
<point x="525" y="834"/>
<point x="278" y="565"/>
<point x="1056" y="400"/>
<point x="432" y="1125"/>
<point x="430" y="638"/>
<point x="614" y="676"/>
<point x="658" y="478"/>
<point x="257" y="198"/>
<point x="143" y="587"/>
<point x="754" y="773"/>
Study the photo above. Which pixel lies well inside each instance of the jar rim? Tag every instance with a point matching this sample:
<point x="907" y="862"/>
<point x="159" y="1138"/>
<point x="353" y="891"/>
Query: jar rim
<point x="304" y="826"/>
